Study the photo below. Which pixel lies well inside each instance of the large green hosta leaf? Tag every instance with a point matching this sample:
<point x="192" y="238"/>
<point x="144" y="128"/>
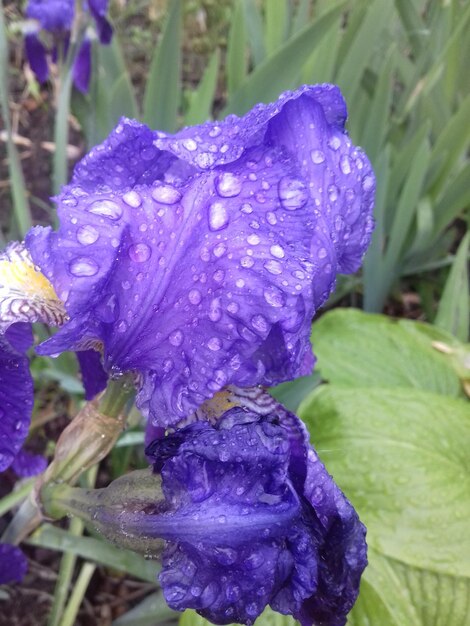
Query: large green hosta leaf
<point x="362" y="349"/>
<point x="402" y="457"/>
<point x="268" y="618"/>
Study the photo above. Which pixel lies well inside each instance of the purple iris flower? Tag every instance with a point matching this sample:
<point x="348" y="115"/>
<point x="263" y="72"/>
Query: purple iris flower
<point x="56" y="17"/>
<point x="199" y="259"/>
<point x="251" y="518"/>
<point x="13" y="564"/>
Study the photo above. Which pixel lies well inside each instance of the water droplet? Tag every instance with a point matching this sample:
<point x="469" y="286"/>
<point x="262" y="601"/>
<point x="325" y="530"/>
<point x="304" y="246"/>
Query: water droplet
<point x="133" y="199"/>
<point x="86" y="235"/>
<point x="218" y="216"/>
<point x="322" y="253"/>
<point x="167" y="365"/>
<point x="334" y="142"/>
<point x="345" y="164"/>
<point x="232" y="307"/>
<point x="194" y="296"/>
<point x="317" y="156"/>
<point x="271" y="218"/>
<point x="190" y="144"/>
<point x="274" y="296"/>
<point x="260" y="323"/>
<point x="83" y="266"/>
<point x="121" y="326"/>
<point x="166" y="194"/>
<point x="247" y="262"/>
<point x="215" y="131"/>
<point x="205" y="159"/>
<point x="367" y="183"/>
<point x="293" y="193"/>
<point x="333" y="193"/>
<point x="253" y="240"/>
<point x="277" y="251"/>
<point x="176" y="338"/>
<point x="273" y="267"/>
<point x="214" y="344"/>
<point x="228" y="185"/>
<point x="215" y="311"/>
<point x="106" y="208"/>
<point x="219" y="250"/>
<point x="140" y="252"/>
<point x="240" y="283"/>
<point x="246" y="208"/>
<point x="218" y="276"/>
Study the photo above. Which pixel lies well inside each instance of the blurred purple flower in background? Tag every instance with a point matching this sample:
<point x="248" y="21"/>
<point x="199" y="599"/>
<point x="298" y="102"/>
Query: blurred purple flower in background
<point x="57" y="18"/>
<point x="199" y="259"/>
<point x="13" y="564"/>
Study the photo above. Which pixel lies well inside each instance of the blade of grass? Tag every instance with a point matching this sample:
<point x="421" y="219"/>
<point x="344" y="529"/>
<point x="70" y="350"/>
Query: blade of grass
<point x="236" y="65"/>
<point x="152" y="610"/>
<point x="254" y="25"/>
<point x="163" y="91"/>
<point x="277" y="24"/>
<point x="453" y="314"/>
<point x="95" y="550"/>
<point x="21" y="208"/>
<point x="77" y="595"/>
<point x="276" y="73"/>
<point x="301" y="17"/>
<point x="202" y="100"/>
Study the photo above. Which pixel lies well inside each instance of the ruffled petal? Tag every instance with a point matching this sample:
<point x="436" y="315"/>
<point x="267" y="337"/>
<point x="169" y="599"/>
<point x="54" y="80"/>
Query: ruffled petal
<point x="13" y="564"/>
<point x="200" y="273"/>
<point x="53" y="15"/>
<point x="82" y="67"/>
<point x="36" y="54"/>
<point x="93" y="375"/>
<point x="16" y="401"/>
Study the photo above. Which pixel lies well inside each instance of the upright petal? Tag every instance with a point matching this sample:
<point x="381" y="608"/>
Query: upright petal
<point x="13" y="564"/>
<point x="82" y="67"/>
<point x="53" y="15"/>
<point x="98" y="9"/>
<point x="36" y="54"/>
<point x="93" y="375"/>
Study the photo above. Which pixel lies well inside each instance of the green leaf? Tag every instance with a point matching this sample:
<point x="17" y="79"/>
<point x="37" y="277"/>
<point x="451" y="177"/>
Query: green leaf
<point x="152" y="610"/>
<point x="267" y="618"/>
<point x="162" y="94"/>
<point x="357" y="349"/>
<point x="91" y="549"/>
<point x="236" y="66"/>
<point x="277" y="23"/>
<point x="277" y="72"/>
<point x="202" y="99"/>
<point x="454" y="307"/>
<point x="401" y="456"/>
<point x="292" y="393"/>
<point x="254" y="25"/>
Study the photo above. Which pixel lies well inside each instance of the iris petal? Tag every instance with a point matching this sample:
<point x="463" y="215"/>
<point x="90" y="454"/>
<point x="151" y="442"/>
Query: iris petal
<point x="200" y="272"/>
<point x="13" y="564"/>
<point x="36" y="54"/>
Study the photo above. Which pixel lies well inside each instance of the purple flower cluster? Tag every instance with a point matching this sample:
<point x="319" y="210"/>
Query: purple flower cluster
<point x="57" y="17"/>
<point x="197" y="261"/>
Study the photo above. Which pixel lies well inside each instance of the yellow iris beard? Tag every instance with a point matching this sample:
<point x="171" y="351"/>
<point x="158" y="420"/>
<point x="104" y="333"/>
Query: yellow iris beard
<point x="22" y="277"/>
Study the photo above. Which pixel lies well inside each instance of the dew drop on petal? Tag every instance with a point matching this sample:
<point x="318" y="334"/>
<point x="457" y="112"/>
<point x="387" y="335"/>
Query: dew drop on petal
<point x="121" y="326"/>
<point x="205" y="159"/>
<point x="166" y="194"/>
<point x="317" y="156"/>
<point x="253" y="240"/>
<point x="190" y="144"/>
<point x="218" y="216"/>
<point x="277" y="251"/>
<point x="176" y="338"/>
<point x="86" y="235"/>
<point x="293" y="193"/>
<point x="106" y="208"/>
<point x="273" y="267"/>
<point x="246" y="208"/>
<point x="368" y="183"/>
<point x="214" y="344"/>
<point x="247" y="262"/>
<point x="345" y="164"/>
<point x="274" y="296"/>
<point x="194" y="296"/>
<point x="133" y="199"/>
<point x="271" y="218"/>
<point x="322" y="253"/>
<point x="140" y="252"/>
<point x="83" y="266"/>
<point x="260" y="323"/>
<point x="215" y="310"/>
<point x="220" y="249"/>
<point x="334" y="142"/>
<point x="228" y="185"/>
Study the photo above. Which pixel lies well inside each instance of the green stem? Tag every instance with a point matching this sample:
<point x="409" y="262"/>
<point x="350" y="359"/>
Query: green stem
<point x="61" y="129"/>
<point x="12" y="499"/>
<point x="67" y="564"/>
<point x="79" y="590"/>
<point x="117" y="395"/>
